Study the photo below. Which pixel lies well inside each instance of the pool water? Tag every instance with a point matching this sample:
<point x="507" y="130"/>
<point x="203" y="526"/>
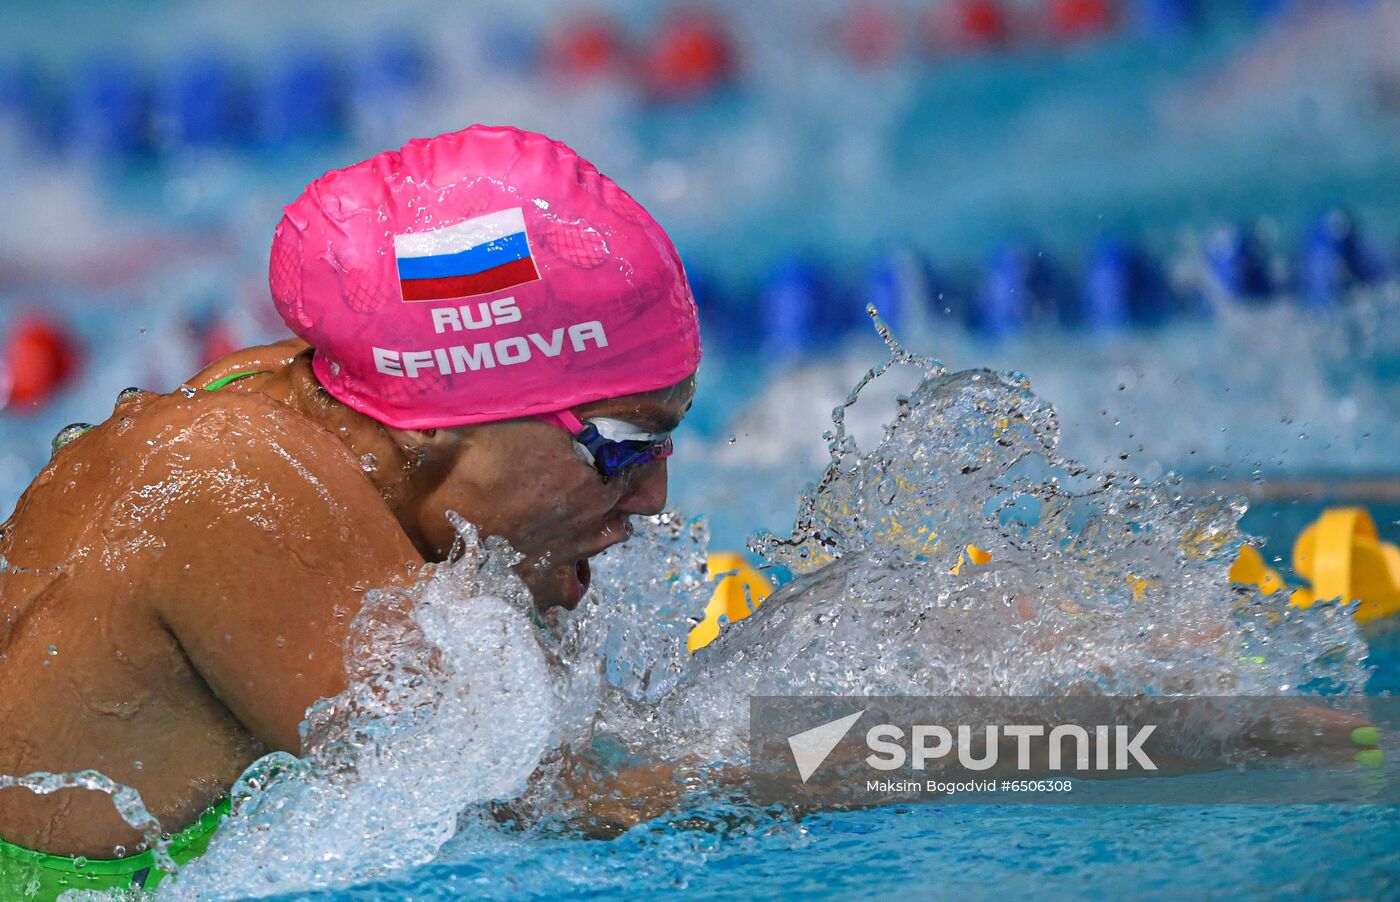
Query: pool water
<point x="942" y="850"/>
<point x="962" y="851"/>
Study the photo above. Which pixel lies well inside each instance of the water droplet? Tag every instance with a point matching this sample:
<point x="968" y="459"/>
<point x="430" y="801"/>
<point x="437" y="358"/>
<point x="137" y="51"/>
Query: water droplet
<point x="53" y="649"/>
<point x="68" y="434"/>
<point x="368" y="462"/>
<point x="188" y="392"/>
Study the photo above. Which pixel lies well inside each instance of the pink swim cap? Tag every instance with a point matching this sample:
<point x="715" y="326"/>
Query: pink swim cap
<point x="481" y="275"/>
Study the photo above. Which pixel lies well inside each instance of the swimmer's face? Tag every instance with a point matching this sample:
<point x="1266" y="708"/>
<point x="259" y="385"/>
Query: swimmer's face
<point x="522" y="480"/>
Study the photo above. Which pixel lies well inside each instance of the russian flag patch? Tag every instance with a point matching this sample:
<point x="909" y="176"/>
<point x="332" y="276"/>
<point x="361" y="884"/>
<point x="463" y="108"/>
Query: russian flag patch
<point x="478" y="256"/>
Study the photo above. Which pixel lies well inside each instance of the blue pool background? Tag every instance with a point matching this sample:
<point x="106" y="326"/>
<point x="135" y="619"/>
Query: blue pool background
<point x="798" y="190"/>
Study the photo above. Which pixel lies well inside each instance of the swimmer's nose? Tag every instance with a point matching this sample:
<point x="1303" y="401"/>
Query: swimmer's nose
<point x="646" y="490"/>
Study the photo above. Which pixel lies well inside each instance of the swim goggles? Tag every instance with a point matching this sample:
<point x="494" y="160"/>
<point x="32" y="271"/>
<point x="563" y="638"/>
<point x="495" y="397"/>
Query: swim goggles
<point x="612" y="447"/>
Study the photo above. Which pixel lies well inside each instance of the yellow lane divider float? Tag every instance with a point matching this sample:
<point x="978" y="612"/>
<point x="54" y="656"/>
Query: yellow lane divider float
<point x="740" y="589"/>
<point x="730" y="600"/>
<point x="1340" y="554"/>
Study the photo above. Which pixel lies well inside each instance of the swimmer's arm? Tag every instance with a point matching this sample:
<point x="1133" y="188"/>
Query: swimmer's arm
<point x="273" y="540"/>
<point x="603" y="803"/>
<point x="613" y="804"/>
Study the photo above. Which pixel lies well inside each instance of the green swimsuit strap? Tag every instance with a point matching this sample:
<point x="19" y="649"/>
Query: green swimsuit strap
<point x="26" y="874"/>
<point x="232" y="377"/>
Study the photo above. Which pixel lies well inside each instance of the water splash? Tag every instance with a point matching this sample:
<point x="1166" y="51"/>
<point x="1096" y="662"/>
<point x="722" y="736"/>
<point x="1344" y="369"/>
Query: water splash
<point x="127" y="801"/>
<point x="466" y="711"/>
<point x="650" y="593"/>
<point x="449" y="703"/>
<point x="1099" y="583"/>
<point x="1275" y="390"/>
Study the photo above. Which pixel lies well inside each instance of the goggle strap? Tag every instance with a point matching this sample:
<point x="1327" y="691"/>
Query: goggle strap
<point x="564" y="419"/>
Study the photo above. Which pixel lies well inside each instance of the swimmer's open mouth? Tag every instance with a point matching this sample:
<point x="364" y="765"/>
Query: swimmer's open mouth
<point x="583" y="570"/>
<point x="583" y="577"/>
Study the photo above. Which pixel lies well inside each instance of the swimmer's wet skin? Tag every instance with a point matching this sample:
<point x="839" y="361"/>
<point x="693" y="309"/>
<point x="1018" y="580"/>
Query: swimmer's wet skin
<point x="488" y="326"/>
<point x="28" y="874"/>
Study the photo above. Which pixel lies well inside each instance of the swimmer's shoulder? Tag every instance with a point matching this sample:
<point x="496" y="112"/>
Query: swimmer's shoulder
<point x="230" y="427"/>
<point x="198" y="449"/>
<point x="157" y="451"/>
<point x="237" y="470"/>
<point x="150" y="435"/>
